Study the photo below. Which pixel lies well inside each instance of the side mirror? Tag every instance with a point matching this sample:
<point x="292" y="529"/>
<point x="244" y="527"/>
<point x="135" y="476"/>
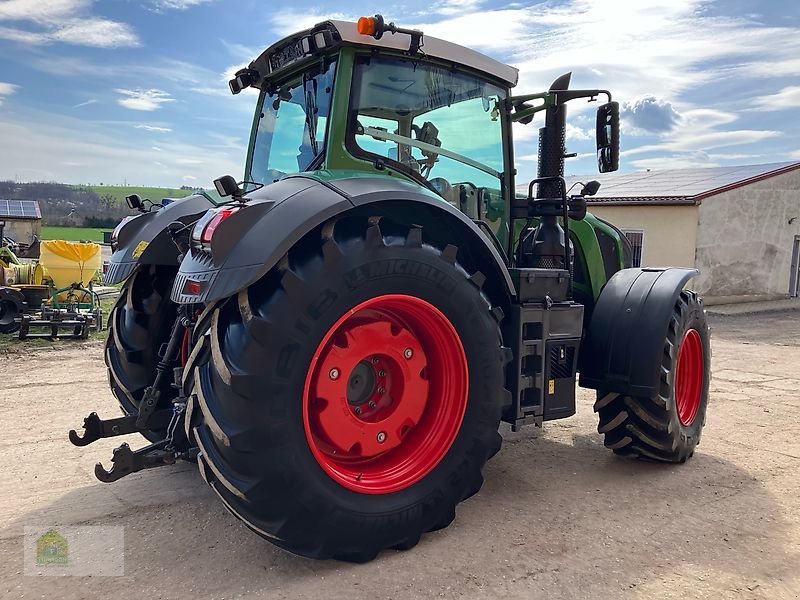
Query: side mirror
<point x="608" y="137"/>
<point x="591" y="188"/>
<point x="133" y="201"/>
<point x="244" y="78"/>
<point x="227" y="186"/>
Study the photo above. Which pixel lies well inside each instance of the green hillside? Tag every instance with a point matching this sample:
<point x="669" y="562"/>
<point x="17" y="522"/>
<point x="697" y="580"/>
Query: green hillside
<point x="118" y="192"/>
<point x="73" y="234"/>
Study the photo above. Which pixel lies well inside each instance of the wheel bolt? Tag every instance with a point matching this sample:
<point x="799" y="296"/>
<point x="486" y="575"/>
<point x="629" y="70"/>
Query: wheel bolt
<point x="333" y="374"/>
<point x="381" y="390"/>
<point x="381" y="437"/>
<point x="357" y="410"/>
<point x="381" y="373"/>
<point x="408" y="353"/>
<point x="375" y="360"/>
<point x="372" y="404"/>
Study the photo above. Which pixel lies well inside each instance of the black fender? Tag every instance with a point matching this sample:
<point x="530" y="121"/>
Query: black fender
<point x="144" y="239"/>
<point x="624" y="343"/>
<point x="253" y="240"/>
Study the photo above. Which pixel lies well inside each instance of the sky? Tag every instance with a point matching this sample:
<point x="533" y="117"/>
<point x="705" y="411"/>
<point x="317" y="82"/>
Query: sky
<point x="135" y="91"/>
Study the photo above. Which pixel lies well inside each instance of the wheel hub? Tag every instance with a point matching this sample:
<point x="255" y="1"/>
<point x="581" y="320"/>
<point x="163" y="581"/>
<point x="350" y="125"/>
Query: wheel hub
<point x="689" y="377"/>
<point x="374" y="419"/>
<point x="362" y="384"/>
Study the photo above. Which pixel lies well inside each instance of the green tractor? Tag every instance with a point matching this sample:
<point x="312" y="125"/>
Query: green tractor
<point x="353" y="324"/>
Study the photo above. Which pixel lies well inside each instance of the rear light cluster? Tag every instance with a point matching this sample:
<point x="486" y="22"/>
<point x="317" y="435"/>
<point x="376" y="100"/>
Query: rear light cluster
<point x="204" y="229"/>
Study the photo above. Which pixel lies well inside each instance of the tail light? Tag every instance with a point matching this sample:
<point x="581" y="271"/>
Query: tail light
<point x="203" y="231"/>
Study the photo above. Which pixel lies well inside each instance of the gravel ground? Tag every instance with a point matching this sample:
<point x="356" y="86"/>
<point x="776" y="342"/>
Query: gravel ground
<point x="558" y="517"/>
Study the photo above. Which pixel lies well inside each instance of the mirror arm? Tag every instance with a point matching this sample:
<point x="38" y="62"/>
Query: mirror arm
<point x="515" y="105"/>
<point x="564" y="96"/>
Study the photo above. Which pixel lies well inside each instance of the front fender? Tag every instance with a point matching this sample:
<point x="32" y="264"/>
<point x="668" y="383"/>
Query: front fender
<point x="624" y="344"/>
<point x="145" y="240"/>
<point x="252" y="241"/>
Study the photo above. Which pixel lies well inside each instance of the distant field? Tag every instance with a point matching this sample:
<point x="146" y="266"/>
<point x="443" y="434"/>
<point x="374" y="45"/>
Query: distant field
<point x="153" y="193"/>
<point x="73" y="233"/>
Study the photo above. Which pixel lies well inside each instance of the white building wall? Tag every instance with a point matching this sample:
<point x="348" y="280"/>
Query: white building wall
<point x="669" y="231"/>
<point x="745" y="241"/>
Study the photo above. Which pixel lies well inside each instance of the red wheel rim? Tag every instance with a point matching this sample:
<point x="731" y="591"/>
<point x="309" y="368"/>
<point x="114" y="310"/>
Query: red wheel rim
<point x="385" y="394"/>
<point x="689" y="377"/>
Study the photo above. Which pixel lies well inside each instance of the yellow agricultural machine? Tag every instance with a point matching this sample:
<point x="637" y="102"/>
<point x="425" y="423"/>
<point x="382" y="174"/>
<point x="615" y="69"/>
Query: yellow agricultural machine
<point x="54" y="295"/>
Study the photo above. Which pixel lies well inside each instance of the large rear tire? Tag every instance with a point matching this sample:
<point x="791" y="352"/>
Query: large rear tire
<point x="667" y="426"/>
<point x="351" y="397"/>
<point x="139" y="323"/>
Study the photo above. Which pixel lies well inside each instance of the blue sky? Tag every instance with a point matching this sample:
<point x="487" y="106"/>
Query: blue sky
<point x="136" y="90"/>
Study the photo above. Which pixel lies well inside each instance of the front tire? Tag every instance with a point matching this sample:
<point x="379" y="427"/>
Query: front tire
<point x="351" y="397"/>
<point x="667" y="426"/>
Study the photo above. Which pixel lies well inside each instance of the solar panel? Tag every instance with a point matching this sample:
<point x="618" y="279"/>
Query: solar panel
<point x="21" y="209"/>
<point x="677" y="182"/>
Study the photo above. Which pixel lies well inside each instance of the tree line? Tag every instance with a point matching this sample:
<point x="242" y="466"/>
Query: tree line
<point x="67" y="206"/>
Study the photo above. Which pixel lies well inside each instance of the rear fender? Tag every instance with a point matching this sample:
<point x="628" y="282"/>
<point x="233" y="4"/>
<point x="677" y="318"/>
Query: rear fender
<point x="145" y="240"/>
<point x="624" y="344"/>
<point x="252" y="241"/>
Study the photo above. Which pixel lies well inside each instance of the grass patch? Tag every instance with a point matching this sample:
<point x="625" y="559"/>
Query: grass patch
<point x="73" y="234"/>
<point x="118" y="192"/>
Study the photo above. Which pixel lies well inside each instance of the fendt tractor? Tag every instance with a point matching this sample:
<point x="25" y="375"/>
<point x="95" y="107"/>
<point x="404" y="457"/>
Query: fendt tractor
<point x="336" y="340"/>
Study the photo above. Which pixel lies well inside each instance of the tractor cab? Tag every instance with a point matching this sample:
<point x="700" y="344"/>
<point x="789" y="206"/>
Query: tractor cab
<point x="370" y="98"/>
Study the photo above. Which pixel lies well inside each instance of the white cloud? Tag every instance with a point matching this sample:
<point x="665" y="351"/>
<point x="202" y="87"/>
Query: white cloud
<point x="39" y="152"/>
<point x="454" y="7"/>
<point x="87" y="103"/>
<point x="65" y="21"/>
<point x="6" y="89"/>
<point x="153" y="128"/>
<point x="795" y="154"/>
<point x="147" y="100"/>
<point x="576" y="133"/>
<point x="650" y="114"/>
<point x="788" y="97"/>
<point x="291" y="21"/>
<point x="162" y="5"/>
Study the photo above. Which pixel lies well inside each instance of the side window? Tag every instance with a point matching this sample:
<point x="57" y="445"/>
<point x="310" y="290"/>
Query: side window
<point x="289" y="141"/>
<point x="466" y="128"/>
<point x="384" y="148"/>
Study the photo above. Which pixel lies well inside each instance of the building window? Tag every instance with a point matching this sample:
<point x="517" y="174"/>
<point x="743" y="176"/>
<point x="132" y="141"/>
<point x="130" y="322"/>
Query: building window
<point x="636" y="238"/>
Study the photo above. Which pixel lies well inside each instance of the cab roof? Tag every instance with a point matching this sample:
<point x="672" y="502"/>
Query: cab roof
<point x="346" y="33"/>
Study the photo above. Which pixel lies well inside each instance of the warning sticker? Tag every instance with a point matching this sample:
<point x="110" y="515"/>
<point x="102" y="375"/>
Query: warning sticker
<point x="551" y="386"/>
<point x="140" y="248"/>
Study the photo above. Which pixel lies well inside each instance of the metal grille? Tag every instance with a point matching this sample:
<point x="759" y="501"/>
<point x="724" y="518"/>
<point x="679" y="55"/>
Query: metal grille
<point x="548" y="262"/>
<point x="561" y="368"/>
<point x="636" y="238"/>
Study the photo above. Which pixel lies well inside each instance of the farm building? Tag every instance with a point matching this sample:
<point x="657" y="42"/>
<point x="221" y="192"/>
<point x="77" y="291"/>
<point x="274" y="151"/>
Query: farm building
<point x="740" y="226"/>
<point x="22" y="219"/>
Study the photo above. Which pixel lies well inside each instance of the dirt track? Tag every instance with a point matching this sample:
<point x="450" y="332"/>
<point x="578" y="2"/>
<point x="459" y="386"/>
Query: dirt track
<point x="558" y="517"/>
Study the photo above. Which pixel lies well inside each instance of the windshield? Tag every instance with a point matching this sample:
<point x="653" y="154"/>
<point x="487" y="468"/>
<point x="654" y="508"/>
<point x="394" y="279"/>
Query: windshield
<point x="290" y="133"/>
<point x="440" y="124"/>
